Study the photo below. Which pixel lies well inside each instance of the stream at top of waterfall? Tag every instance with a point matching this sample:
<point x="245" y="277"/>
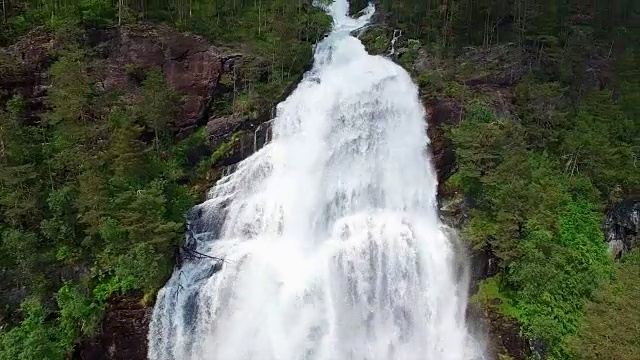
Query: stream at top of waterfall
<point x="330" y="233"/>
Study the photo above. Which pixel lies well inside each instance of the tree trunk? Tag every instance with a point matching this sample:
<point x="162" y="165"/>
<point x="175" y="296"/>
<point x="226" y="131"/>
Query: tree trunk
<point x="2" y="151"/>
<point x="260" y="17"/>
<point x="120" y="12"/>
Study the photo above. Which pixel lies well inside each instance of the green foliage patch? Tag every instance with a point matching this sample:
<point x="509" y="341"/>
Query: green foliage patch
<point x="87" y="209"/>
<point x="539" y="213"/>
<point x="610" y="329"/>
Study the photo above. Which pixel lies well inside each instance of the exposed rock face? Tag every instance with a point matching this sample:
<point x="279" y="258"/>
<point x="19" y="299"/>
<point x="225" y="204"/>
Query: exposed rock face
<point x="484" y="264"/>
<point x="506" y="338"/>
<point x="190" y="65"/>
<point x="31" y="55"/>
<point x="123" y="335"/>
<point x="622" y="227"/>
<point x="219" y="128"/>
<point x="503" y="62"/>
<point x="24" y="66"/>
<point x="442" y="111"/>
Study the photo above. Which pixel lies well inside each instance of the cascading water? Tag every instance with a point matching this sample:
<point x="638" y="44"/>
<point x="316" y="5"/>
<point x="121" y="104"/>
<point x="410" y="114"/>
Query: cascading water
<point x="333" y="246"/>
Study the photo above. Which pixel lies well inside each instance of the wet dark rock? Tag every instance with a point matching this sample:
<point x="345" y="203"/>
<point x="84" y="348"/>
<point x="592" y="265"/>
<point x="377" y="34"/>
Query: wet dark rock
<point x="506" y="338"/>
<point x="220" y="128"/>
<point x="484" y="264"/>
<point x="13" y="295"/>
<point x="441" y="112"/>
<point x="500" y="334"/>
<point x="622" y="227"/>
<point x="455" y="209"/>
<point x="196" y="154"/>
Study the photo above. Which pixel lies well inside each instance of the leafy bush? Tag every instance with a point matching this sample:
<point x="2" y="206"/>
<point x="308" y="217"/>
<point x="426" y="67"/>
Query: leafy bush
<point x="34" y="338"/>
<point x="557" y="273"/>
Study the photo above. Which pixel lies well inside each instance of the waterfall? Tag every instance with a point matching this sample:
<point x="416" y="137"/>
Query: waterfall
<point x="332" y="245"/>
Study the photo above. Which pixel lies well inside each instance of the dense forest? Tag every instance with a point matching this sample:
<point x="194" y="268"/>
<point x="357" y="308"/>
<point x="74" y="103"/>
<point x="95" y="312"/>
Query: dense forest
<point x="94" y="187"/>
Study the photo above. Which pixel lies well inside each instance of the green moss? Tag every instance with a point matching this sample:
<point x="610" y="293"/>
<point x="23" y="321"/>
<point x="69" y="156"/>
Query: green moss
<point x="457" y="90"/>
<point x="410" y="54"/>
<point x="613" y="310"/>
<point x="376" y="39"/>
<point x="430" y="83"/>
<point x="491" y="297"/>
<point x="226" y="149"/>
<point x="196" y="139"/>
<point x="221" y="151"/>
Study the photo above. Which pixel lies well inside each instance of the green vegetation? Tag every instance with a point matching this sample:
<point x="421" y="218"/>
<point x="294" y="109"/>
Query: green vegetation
<point x="94" y="188"/>
<point x="225" y="149"/>
<point x="541" y="222"/>
<point x="611" y="328"/>
<point x="87" y="208"/>
<point x="541" y="211"/>
<point x="542" y="26"/>
<point x="274" y="36"/>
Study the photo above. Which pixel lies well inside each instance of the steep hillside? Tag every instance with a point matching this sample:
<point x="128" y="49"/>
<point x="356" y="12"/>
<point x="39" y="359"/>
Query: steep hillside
<point x="114" y="122"/>
<point x="533" y="108"/>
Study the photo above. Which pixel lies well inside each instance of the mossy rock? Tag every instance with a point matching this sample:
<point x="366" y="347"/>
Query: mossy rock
<point x="376" y="39"/>
<point x="506" y="340"/>
<point x="233" y="150"/>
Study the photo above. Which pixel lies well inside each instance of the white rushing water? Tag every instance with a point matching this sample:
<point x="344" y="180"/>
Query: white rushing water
<point x="333" y="244"/>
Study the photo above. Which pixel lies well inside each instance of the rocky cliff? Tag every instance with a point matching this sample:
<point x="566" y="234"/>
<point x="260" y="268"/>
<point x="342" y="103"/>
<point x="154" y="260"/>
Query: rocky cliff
<point x="120" y="57"/>
<point x="622" y="227"/>
<point x="123" y="333"/>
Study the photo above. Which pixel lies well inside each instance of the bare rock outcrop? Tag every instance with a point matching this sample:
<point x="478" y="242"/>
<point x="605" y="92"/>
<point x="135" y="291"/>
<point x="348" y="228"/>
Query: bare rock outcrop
<point x="118" y="60"/>
<point x="190" y="65"/>
<point x="123" y="334"/>
<point x="622" y="227"/>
